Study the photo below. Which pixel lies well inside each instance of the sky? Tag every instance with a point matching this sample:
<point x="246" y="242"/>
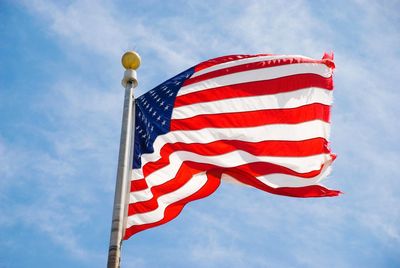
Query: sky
<point x="60" y="119"/>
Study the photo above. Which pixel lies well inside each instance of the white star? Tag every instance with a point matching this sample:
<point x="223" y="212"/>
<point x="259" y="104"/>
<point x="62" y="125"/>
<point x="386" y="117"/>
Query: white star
<point x="158" y="118"/>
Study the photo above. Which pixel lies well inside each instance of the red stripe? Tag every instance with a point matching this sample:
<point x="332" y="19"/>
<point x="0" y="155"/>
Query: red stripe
<point x="306" y="191"/>
<point x="271" y="148"/>
<point x="256" y="88"/>
<point x="138" y="185"/>
<point x="223" y="59"/>
<point x="315" y="111"/>
<point x="173" y="210"/>
<point x="248" y="67"/>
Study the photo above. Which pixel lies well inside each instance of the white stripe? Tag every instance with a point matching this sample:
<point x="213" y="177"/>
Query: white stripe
<point x="232" y="159"/>
<point x="258" y="75"/>
<point x="285" y="100"/>
<point x="289" y="132"/>
<point x="246" y="61"/>
<point x="191" y="187"/>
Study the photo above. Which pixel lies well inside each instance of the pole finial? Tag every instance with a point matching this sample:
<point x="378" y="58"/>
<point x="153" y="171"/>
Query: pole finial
<point x="131" y="61"/>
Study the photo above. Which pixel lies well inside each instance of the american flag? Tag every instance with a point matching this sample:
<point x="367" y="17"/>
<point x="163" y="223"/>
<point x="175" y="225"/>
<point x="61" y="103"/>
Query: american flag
<point x="259" y="120"/>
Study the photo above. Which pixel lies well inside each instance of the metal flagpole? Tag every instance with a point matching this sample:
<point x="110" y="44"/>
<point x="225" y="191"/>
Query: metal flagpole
<point x="131" y="61"/>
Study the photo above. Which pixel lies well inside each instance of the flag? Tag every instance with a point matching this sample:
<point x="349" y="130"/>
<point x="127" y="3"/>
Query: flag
<point x="259" y="120"/>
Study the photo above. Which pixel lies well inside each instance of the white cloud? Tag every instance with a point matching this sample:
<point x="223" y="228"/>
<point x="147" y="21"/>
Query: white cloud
<point x="84" y="116"/>
<point x="279" y="27"/>
<point x="86" y="24"/>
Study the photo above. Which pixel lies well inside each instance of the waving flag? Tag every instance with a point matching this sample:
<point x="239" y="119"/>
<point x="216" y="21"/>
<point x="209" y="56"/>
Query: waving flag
<point x="260" y="120"/>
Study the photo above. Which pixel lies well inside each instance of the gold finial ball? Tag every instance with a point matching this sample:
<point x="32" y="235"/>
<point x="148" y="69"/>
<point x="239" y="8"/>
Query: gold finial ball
<point x="131" y="60"/>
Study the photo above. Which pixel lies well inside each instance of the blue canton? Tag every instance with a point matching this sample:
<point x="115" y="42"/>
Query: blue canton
<point x="153" y="114"/>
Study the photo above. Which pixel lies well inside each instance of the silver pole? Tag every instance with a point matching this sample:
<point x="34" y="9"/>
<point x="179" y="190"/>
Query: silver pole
<point x="124" y="165"/>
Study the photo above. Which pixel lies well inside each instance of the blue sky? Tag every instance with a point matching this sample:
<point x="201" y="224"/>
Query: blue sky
<point x="60" y="108"/>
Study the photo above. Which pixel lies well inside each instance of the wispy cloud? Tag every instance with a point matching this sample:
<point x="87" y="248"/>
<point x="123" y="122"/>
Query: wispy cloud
<point x="90" y="25"/>
<point x="75" y="168"/>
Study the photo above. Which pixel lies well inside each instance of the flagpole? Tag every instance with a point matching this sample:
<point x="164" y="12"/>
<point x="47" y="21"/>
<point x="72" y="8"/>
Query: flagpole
<point x="131" y="61"/>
